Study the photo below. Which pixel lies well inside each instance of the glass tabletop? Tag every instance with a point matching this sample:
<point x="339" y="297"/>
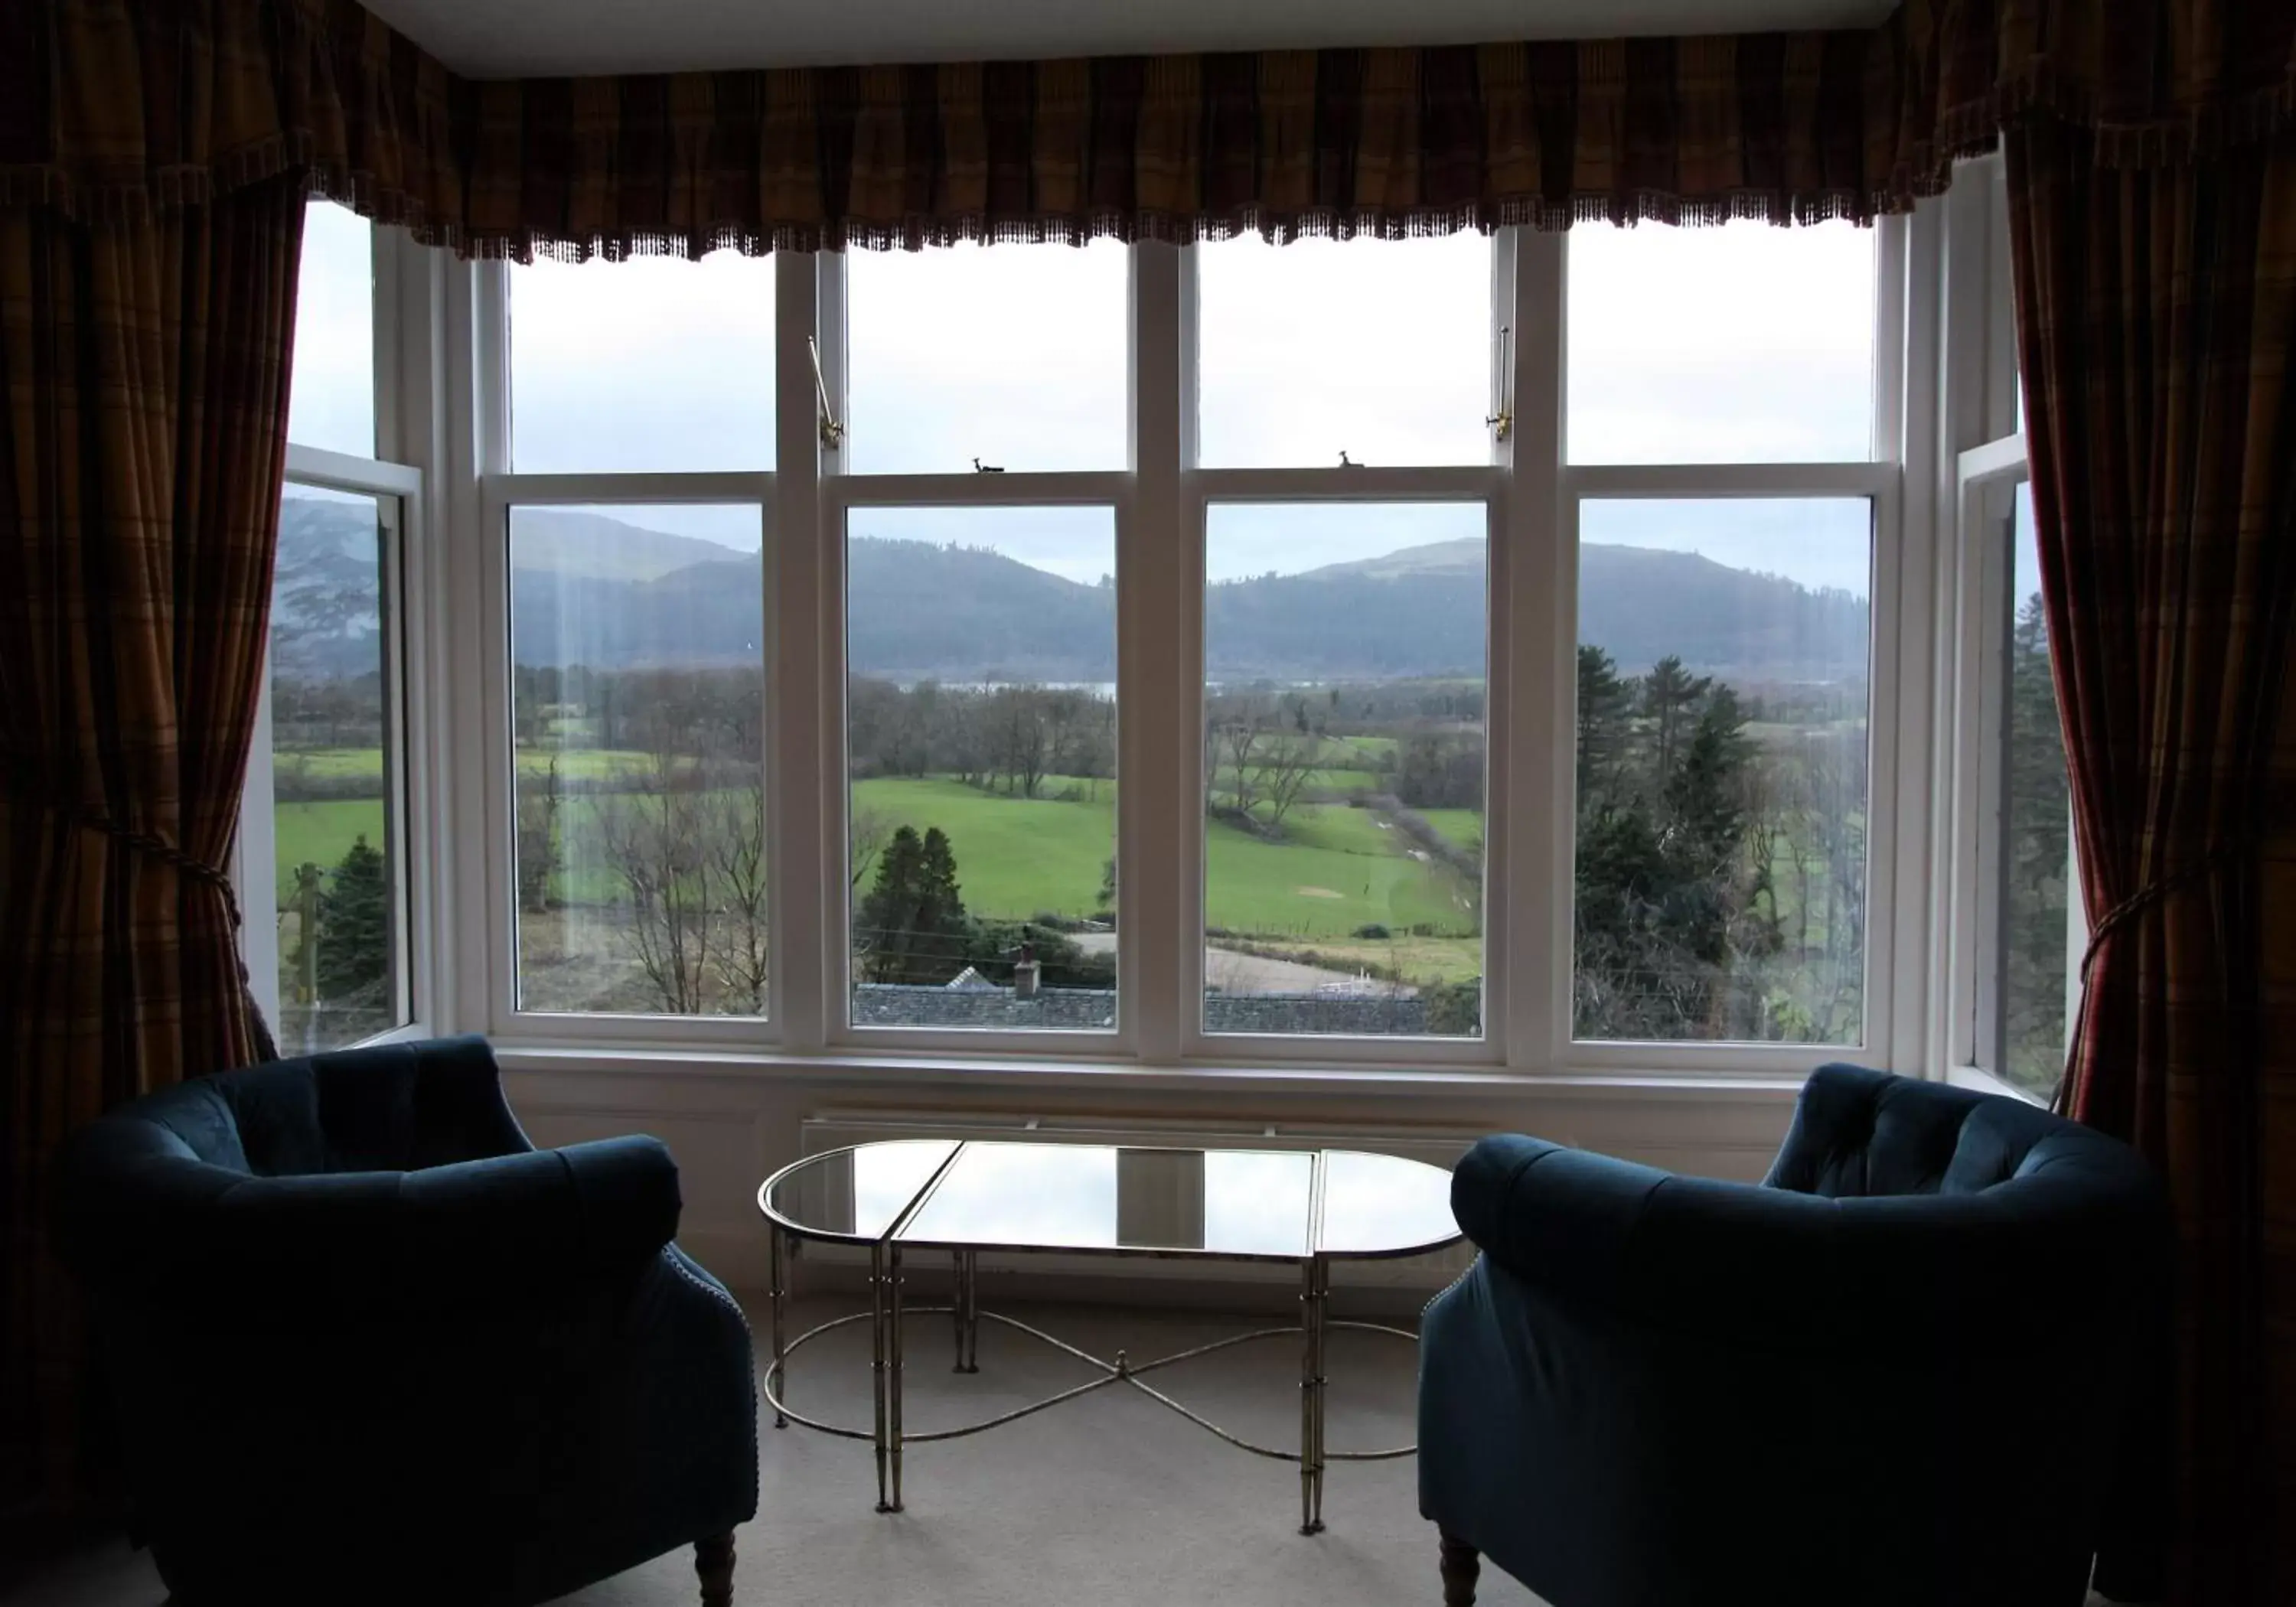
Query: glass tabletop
<point x="1384" y="1205"/>
<point x="855" y="1194"/>
<point x="1237" y="1204"/>
<point x="1079" y="1196"/>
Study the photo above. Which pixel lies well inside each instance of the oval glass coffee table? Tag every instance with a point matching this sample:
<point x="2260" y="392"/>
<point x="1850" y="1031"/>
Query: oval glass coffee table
<point x="901" y="1197"/>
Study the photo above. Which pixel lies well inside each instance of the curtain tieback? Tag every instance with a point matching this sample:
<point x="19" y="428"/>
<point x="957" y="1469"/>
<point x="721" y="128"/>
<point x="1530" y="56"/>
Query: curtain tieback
<point x="2155" y="890"/>
<point x="152" y="845"/>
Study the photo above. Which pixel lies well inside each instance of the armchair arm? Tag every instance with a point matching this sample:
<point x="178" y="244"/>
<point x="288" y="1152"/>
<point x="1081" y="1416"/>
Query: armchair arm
<point x="510" y="1228"/>
<point x="1618" y="1234"/>
<point x="1760" y="1266"/>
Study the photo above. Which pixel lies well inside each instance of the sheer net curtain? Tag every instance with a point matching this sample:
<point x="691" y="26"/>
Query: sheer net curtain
<point x="2157" y="324"/>
<point x="145" y="363"/>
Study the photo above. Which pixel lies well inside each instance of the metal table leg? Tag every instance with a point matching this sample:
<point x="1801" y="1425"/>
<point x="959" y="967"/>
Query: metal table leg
<point x="968" y="1318"/>
<point x="777" y="1296"/>
<point x="879" y="1345"/>
<point x="1316" y="1279"/>
<point x="893" y="1372"/>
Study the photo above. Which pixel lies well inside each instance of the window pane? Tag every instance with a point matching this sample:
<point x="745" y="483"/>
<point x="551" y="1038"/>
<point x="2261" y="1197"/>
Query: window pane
<point x="330" y="392"/>
<point x="638" y="703"/>
<point x="334" y="775"/>
<point x="650" y="364"/>
<point x="1379" y="349"/>
<point x="2037" y="835"/>
<point x="981" y="737"/>
<point x="1722" y="704"/>
<point x="1343" y="765"/>
<point x="1741" y="344"/>
<point x="1013" y="356"/>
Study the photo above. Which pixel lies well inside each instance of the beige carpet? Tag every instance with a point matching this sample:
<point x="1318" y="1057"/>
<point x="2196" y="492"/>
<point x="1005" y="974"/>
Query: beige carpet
<point x="1108" y="1501"/>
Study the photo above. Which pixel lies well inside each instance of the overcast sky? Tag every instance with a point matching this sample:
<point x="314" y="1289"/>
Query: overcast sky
<point x="1744" y="343"/>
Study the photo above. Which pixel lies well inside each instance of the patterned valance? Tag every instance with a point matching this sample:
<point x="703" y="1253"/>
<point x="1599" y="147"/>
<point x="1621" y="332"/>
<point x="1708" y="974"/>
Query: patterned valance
<point x="114" y="105"/>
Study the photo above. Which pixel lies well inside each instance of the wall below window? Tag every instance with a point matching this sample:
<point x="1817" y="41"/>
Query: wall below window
<point x="730" y="1122"/>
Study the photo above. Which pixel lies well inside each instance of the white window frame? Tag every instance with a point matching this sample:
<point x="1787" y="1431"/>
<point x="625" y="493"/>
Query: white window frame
<point x="499" y="494"/>
<point x="1160" y="499"/>
<point x="841" y="496"/>
<point x="1897" y="599"/>
<point x="1984" y="461"/>
<point x="1989" y="478"/>
<point x="411" y="728"/>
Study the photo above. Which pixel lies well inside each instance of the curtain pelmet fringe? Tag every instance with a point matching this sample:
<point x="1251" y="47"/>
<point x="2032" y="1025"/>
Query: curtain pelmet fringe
<point x="406" y="110"/>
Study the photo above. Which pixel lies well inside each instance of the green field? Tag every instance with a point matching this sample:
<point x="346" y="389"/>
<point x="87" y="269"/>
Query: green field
<point x="1338" y="870"/>
<point x="1464" y="828"/>
<point x="339" y="764"/>
<point x="1014" y="856"/>
<point x="322" y="833"/>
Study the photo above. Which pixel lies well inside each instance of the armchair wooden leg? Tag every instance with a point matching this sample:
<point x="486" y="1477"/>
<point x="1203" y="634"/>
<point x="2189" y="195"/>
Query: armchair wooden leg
<point x="713" y="1560"/>
<point x="1462" y="1566"/>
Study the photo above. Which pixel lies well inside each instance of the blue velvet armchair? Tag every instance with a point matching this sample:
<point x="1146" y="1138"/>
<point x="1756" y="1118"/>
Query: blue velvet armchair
<point x="1892" y="1376"/>
<point x="369" y="1345"/>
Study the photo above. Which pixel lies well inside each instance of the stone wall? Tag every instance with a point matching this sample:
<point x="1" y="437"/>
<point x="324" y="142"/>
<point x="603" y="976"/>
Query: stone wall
<point x="1094" y="1009"/>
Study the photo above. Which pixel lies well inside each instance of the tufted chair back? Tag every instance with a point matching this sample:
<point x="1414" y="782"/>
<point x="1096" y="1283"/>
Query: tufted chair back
<point x="397" y="1108"/>
<point x="1658" y="1388"/>
<point x="1859" y="1134"/>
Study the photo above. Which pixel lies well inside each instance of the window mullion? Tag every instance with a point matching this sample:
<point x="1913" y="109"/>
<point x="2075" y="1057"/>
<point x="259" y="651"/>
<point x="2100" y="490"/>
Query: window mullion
<point x="1529" y="841"/>
<point x="1154" y="600"/>
<point x="805" y="920"/>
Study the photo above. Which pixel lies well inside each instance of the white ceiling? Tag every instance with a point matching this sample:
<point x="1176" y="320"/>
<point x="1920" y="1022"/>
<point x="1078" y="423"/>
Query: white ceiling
<point x="517" y="38"/>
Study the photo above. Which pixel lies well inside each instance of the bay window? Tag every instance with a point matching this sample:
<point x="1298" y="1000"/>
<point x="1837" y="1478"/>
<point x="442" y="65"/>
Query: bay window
<point x="1517" y="651"/>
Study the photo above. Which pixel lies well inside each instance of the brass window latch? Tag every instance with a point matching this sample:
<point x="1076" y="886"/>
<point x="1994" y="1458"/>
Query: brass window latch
<point x="1502" y="422"/>
<point x="833" y="433"/>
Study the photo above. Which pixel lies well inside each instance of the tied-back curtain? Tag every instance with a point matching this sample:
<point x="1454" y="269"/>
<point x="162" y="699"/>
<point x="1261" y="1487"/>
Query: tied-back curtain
<point x="144" y="365"/>
<point x="2157" y="323"/>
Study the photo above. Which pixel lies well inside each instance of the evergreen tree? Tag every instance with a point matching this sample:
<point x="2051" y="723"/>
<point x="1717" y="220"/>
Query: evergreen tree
<point x="887" y="915"/>
<point x="1606" y="707"/>
<point x="912" y="928"/>
<point x="940" y="907"/>
<point x="1669" y="693"/>
<point x="354" y="960"/>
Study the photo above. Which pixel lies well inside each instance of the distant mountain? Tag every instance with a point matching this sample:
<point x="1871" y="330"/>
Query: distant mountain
<point x="589" y="589"/>
<point x="1464" y="556"/>
<point x="566" y="542"/>
<point x="325" y="610"/>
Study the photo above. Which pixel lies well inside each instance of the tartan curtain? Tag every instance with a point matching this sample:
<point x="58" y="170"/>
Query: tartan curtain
<point x="153" y="154"/>
<point x="143" y="361"/>
<point x="2157" y="326"/>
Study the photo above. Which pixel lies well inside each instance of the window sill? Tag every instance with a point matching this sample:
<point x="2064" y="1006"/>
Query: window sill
<point x="1189" y="1077"/>
<point x="1980" y="1081"/>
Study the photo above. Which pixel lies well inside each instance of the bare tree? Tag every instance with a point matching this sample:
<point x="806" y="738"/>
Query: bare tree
<point x="1238" y="738"/>
<point x="1285" y="764"/>
<point x="736" y="852"/>
<point x="652" y="836"/>
<point x="1020" y="738"/>
<point x="866" y="837"/>
<point x="538" y="801"/>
